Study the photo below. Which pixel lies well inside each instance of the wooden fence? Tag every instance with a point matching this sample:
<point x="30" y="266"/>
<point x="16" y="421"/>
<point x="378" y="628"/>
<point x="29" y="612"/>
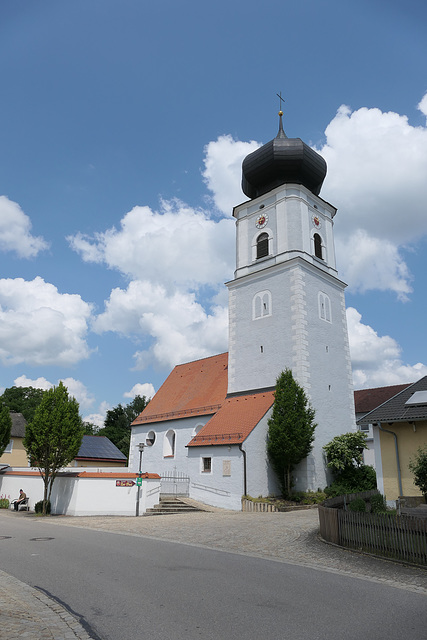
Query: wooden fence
<point x="248" y="505"/>
<point x="398" y="537"/>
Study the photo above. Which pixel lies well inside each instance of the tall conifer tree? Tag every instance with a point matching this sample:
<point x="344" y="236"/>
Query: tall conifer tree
<point x="290" y="429"/>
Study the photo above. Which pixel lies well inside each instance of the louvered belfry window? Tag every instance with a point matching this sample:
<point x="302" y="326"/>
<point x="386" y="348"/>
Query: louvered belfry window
<point x="262" y="246"/>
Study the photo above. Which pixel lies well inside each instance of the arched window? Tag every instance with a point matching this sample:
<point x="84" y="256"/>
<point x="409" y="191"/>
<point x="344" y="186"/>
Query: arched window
<point x="261" y="305"/>
<point x="324" y="307"/>
<point x="197" y="428"/>
<point x="317" y="246"/>
<point x="169" y="444"/>
<point x="151" y="439"/>
<point x="262" y="246"/>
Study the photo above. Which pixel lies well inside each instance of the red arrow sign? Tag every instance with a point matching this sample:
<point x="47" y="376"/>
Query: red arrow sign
<point x="125" y="483"/>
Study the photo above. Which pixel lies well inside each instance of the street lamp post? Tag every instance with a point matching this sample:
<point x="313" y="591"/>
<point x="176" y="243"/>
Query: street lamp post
<point x="141" y="446"/>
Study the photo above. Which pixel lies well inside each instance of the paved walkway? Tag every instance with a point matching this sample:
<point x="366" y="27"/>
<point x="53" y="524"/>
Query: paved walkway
<point x="285" y="537"/>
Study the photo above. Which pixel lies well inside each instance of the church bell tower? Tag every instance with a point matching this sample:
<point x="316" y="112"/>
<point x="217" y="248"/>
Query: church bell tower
<point x="286" y="302"/>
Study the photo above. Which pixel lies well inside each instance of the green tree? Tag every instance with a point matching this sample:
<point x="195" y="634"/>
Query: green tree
<point x="345" y="451"/>
<point x="53" y="437"/>
<point x="344" y="455"/>
<point x="118" y="420"/>
<point x="5" y="427"/>
<point x="90" y="429"/>
<point x="290" y="429"/>
<point x="418" y="467"/>
<point x="23" y="400"/>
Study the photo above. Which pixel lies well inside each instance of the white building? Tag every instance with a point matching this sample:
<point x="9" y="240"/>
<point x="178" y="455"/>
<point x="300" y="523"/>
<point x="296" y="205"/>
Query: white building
<point x="286" y="310"/>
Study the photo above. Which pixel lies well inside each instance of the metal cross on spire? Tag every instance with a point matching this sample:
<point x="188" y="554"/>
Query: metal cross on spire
<point x="281" y="100"/>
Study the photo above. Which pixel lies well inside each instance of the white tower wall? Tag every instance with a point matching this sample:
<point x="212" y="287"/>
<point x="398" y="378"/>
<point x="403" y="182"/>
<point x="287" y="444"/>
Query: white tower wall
<point x="287" y="310"/>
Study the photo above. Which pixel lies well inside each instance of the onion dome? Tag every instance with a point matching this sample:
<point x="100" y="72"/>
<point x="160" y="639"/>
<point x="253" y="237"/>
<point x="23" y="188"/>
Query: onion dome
<point x="281" y="161"/>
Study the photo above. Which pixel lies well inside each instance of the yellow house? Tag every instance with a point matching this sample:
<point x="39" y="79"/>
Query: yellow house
<point x="399" y="429"/>
<point x="95" y="451"/>
<point x="15" y="455"/>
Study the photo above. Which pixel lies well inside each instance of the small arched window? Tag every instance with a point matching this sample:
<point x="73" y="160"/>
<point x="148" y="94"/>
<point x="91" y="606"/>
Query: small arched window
<point x="261" y="305"/>
<point x="169" y="444"/>
<point x="324" y="307"/>
<point x="197" y="428"/>
<point x="151" y="439"/>
<point x="262" y="246"/>
<point x="317" y="246"/>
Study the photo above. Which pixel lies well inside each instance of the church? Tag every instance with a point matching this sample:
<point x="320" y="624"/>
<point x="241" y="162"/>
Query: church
<point x="205" y="430"/>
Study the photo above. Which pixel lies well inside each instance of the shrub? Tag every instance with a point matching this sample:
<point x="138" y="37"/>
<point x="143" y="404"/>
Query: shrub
<point x="378" y="503"/>
<point x="346" y="451"/>
<point x="353" y="480"/>
<point x="309" y="497"/>
<point x="4" y="503"/>
<point x="357" y="505"/>
<point x="418" y="466"/>
<point x="38" y="507"/>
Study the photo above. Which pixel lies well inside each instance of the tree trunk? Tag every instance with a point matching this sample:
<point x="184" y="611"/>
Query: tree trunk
<point x="46" y="484"/>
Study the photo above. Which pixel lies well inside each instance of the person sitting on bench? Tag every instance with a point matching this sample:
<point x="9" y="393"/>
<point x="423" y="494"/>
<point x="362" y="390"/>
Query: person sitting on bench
<point x="20" y="500"/>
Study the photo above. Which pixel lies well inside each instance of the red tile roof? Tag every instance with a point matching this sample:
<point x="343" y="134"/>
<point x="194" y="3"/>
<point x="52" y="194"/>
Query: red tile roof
<point x="87" y="474"/>
<point x="366" y="400"/>
<point x="237" y="417"/>
<point x="192" y="389"/>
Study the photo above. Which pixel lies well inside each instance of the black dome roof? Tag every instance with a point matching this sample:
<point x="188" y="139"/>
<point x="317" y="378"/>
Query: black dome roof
<point x="281" y="161"/>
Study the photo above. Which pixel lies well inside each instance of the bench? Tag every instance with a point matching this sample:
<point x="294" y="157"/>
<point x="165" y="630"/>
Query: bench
<point x="24" y="505"/>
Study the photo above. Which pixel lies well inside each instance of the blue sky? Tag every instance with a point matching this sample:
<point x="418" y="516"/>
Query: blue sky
<point x="122" y="130"/>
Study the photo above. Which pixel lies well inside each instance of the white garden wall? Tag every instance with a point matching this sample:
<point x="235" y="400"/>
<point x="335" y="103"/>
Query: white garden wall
<point x="86" y="492"/>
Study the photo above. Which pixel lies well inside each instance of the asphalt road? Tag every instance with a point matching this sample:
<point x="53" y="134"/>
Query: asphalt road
<point x="131" y="587"/>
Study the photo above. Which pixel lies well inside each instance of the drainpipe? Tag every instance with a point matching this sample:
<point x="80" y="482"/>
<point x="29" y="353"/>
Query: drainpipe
<point x="245" y="489"/>
<point x="399" y="476"/>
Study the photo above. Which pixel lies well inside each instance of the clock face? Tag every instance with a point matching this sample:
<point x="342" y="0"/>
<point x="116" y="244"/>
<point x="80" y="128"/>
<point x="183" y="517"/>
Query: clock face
<point x="261" y="221"/>
<point x="316" y="221"/>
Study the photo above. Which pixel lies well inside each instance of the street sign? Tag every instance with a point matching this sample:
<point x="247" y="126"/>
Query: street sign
<point x="139" y="482"/>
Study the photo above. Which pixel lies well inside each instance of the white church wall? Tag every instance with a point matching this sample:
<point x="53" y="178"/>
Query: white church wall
<point x="327" y="376"/>
<point x="223" y="485"/>
<point x="153" y="457"/>
<point x="260" y="477"/>
<point x="258" y="351"/>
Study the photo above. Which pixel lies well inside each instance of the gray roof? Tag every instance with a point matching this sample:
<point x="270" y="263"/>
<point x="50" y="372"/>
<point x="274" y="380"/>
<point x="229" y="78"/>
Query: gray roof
<point x="99" y="447"/>
<point x="395" y="409"/>
<point x="18" y="425"/>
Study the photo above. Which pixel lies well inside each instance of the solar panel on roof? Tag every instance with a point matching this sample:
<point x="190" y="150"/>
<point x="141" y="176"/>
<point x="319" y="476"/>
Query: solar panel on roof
<point x="419" y="397"/>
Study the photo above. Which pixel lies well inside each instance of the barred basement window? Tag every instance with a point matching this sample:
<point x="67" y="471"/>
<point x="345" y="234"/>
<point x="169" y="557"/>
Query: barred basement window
<point x="206" y="465"/>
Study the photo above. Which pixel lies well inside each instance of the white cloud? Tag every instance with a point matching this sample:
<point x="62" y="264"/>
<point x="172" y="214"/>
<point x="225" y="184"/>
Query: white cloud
<point x="38" y="383"/>
<point x="376" y="360"/>
<point x="39" y="325"/>
<point x="15" y="231"/>
<point x="223" y="170"/>
<point x="141" y="389"/>
<point x="422" y="105"/>
<point x="178" y="326"/>
<point x="75" y="388"/>
<point x="372" y="263"/>
<point x="177" y="246"/>
<point x="98" y="418"/>
<point x="377" y="163"/>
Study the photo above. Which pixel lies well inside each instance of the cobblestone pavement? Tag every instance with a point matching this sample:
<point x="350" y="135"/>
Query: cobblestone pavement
<point x="290" y="537"/>
<point x="27" y="613"/>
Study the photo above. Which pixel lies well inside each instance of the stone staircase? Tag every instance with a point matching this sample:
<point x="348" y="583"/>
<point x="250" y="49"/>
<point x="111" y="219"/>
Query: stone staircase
<point x="173" y="505"/>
